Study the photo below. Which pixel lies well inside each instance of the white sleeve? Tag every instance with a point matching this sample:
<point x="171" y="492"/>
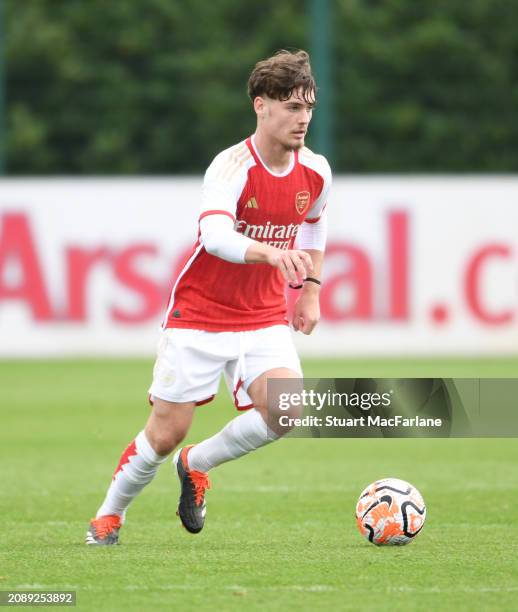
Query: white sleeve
<point x="313" y="235"/>
<point x="320" y="203"/>
<point x="225" y="180"/>
<point x="223" y="184"/>
<point x="220" y="239"/>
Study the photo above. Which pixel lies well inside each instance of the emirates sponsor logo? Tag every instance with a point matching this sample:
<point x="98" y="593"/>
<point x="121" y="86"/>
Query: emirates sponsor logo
<point x="302" y="201"/>
<point x="274" y="235"/>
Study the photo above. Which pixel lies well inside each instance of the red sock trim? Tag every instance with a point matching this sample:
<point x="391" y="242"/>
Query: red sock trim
<point x="130" y="451"/>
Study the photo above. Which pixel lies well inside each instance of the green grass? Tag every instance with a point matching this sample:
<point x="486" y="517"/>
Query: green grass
<point x="280" y="532"/>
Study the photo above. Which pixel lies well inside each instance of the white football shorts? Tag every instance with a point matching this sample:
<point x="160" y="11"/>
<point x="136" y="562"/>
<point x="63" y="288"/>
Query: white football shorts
<point x="190" y="362"/>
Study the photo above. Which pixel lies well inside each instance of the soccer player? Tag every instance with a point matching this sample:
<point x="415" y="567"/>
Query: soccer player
<point x="227" y="312"/>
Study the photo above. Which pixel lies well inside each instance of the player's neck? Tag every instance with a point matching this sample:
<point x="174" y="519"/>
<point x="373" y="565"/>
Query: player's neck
<point x="272" y="153"/>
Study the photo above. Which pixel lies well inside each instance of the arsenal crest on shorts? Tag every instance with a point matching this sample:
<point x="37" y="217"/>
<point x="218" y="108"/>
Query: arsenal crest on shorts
<point x="302" y="201"/>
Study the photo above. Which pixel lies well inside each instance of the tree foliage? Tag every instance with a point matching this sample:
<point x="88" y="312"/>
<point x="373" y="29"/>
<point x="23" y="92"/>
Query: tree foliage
<point x="427" y="86"/>
<point x="159" y="87"/>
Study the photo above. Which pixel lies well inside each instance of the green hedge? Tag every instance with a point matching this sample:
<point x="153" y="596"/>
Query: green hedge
<point x="159" y="86"/>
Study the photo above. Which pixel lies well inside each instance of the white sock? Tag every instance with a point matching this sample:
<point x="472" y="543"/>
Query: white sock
<point x="137" y="468"/>
<point x="243" y="434"/>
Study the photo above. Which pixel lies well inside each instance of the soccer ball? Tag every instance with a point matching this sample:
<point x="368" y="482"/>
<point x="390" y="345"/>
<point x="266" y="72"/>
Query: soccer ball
<point x="390" y="512"/>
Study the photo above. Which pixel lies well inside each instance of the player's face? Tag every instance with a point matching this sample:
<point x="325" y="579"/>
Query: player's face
<point x="287" y="121"/>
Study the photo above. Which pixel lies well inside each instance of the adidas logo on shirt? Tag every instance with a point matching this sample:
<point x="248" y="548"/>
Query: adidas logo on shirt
<point x="252" y="203"/>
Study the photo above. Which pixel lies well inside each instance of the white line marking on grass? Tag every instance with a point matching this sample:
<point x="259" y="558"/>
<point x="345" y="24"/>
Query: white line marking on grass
<point x="305" y="588"/>
<point x="309" y="588"/>
<point x="49" y="587"/>
<point x="314" y="588"/>
<point x="456" y="589"/>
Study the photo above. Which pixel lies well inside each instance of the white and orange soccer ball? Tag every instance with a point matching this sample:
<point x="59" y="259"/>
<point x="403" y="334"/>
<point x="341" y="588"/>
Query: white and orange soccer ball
<point x="390" y="512"/>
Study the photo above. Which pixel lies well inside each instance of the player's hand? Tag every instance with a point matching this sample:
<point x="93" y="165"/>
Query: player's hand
<point x="294" y="265"/>
<point x="306" y="313"/>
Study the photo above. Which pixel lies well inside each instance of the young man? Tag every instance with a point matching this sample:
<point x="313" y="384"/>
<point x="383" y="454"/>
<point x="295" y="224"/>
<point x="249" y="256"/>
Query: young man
<point x="227" y="311"/>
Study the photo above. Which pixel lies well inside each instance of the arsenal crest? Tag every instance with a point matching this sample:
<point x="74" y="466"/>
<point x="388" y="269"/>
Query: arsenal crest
<point x="302" y="201"/>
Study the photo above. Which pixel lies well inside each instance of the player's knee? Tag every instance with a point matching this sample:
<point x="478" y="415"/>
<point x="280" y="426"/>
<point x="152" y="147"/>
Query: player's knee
<point x="164" y="443"/>
<point x="281" y="421"/>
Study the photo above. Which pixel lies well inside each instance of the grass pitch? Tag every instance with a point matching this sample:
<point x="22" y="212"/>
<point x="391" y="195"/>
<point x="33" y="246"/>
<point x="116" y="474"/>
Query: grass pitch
<point x="280" y="532"/>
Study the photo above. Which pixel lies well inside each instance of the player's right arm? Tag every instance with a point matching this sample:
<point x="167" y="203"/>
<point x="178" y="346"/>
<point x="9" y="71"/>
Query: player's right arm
<point x="222" y="187"/>
<point x="220" y="239"/>
<point x="294" y="265"/>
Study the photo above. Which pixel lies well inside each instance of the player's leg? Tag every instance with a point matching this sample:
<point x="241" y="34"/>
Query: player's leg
<point x="186" y="373"/>
<point x="263" y="354"/>
<point x="246" y="432"/>
<point x="268" y="353"/>
<point x="243" y="434"/>
<point x="268" y="404"/>
<point x="168" y="424"/>
<point x="166" y="427"/>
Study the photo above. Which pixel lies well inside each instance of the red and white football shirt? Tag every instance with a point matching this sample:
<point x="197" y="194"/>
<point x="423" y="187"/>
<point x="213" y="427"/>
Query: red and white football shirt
<point x="217" y="295"/>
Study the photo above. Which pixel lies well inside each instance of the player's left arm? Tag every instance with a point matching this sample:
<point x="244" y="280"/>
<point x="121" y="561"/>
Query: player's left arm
<point x="312" y="239"/>
<point x="306" y="313"/>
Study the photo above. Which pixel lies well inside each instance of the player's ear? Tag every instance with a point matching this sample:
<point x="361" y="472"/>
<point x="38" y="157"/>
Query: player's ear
<point x="260" y="106"/>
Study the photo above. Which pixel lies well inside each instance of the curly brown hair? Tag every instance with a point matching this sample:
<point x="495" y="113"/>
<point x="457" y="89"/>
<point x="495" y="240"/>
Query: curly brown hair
<point x="280" y="75"/>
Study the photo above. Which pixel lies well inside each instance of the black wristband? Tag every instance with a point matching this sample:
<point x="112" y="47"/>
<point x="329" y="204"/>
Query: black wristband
<point x="312" y="280"/>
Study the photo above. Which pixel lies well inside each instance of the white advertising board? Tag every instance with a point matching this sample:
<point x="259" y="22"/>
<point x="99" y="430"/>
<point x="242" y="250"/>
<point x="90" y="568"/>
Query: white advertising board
<point x="415" y="265"/>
